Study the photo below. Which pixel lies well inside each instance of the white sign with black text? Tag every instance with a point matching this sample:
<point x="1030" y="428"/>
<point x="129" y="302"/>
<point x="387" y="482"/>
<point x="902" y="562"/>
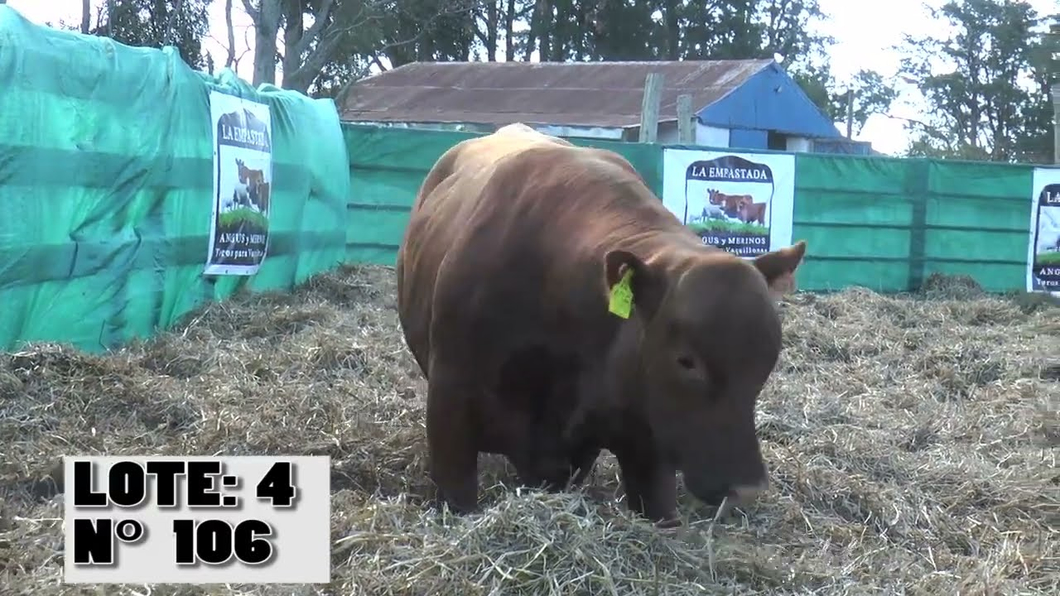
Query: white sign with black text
<point x="741" y="202"/>
<point x="242" y="185"/>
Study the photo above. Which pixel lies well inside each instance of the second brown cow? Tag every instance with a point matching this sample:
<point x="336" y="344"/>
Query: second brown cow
<point x="516" y="243"/>
<point x="751" y="212"/>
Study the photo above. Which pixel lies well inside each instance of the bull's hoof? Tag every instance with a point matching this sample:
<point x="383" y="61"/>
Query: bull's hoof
<point x="669" y="523"/>
<point x="456" y="507"/>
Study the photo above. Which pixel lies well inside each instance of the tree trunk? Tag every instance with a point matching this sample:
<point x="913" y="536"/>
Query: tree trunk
<point x="86" y="16"/>
<point x="509" y="33"/>
<point x="531" y="35"/>
<point x="491" y="31"/>
<point x="673" y="30"/>
<point x="231" y="59"/>
<point x="292" y="35"/>
<point x="544" y="28"/>
<point x="266" y="26"/>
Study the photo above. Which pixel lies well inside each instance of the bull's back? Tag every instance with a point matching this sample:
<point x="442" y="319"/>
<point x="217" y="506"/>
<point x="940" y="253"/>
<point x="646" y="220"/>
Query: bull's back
<point x="473" y="155"/>
<point x="450" y="191"/>
<point x="525" y="264"/>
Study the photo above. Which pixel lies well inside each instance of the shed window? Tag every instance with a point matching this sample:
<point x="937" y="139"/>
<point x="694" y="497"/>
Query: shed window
<point x="777" y="141"/>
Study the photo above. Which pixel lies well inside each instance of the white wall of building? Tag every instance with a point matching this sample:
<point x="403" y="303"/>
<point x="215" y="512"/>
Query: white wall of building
<point x="592" y="132"/>
<point x="705" y="136"/>
<point x="711" y="136"/>
<point x="798" y="144"/>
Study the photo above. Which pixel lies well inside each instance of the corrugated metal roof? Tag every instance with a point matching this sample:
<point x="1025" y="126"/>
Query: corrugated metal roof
<point x="604" y="94"/>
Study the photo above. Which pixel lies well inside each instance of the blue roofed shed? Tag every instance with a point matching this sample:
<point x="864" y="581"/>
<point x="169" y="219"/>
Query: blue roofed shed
<point x="740" y="104"/>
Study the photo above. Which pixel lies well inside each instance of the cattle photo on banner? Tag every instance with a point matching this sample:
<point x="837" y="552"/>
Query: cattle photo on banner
<point x="242" y="154"/>
<point x="740" y="202"/>
<point x="1043" y="254"/>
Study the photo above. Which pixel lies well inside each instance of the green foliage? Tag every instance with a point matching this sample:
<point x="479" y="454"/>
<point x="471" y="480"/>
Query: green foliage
<point x="157" y="23"/>
<point x="231" y="220"/>
<point x="1047" y="258"/>
<point x="986" y="84"/>
<point x="868" y="92"/>
<point x="329" y="43"/>
<point x="560" y="30"/>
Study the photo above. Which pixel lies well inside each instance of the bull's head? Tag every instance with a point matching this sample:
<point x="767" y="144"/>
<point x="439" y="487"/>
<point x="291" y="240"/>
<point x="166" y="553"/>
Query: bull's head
<point x="711" y="337"/>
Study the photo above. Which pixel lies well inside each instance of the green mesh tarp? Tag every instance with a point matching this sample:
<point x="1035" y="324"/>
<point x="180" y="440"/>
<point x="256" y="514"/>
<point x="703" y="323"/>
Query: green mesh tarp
<point x="882" y="223"/>
<point x="106" y="182"/>
<point x="887" y="223"/>
<point x="388" y="165"/>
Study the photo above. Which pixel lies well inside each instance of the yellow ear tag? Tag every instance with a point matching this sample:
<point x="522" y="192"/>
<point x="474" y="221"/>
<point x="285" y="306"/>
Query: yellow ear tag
<point x="622" y="296"/>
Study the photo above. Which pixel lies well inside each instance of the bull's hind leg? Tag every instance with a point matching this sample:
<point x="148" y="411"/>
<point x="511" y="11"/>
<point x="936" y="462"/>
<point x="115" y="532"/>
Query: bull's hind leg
<point x="556" y="470"/>
<point x="582" y="463"/>
<point x="452" y="443"/>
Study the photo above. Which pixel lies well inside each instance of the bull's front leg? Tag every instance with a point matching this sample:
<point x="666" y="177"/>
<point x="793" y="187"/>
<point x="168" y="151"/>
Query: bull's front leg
<point x="650" y="485"/>
<point x="452" y="443"/>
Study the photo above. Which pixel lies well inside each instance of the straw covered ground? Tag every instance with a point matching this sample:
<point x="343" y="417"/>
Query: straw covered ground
<point x="913" y="446"/>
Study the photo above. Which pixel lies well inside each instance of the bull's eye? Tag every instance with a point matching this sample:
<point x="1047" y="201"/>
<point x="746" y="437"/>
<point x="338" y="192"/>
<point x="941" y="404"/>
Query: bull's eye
<point x="686" y="362"/>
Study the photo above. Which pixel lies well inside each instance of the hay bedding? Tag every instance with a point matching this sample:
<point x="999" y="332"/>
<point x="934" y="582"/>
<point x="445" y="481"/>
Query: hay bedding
<point x="913" y="447"/>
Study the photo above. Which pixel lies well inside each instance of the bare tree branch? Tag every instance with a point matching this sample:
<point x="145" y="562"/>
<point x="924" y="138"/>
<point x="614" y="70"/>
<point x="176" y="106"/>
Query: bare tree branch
<point x="319" y="24"/>
<point x="253" y="12"/>
<point x="332" y="36"/>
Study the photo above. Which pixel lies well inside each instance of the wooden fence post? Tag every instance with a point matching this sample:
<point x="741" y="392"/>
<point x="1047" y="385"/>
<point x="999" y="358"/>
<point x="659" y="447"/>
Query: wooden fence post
<point x="686" y="132"/>
<point x="649" y="108"/>
<point x="850" y="113"/>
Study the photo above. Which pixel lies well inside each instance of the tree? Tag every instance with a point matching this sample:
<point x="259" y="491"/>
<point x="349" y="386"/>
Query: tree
<point x="86" y="16"/>
<point x="867" y="93"/>
<point x="349" y="38"/>
<point x="156" y="23"/>
<point x="342" y="31"/>
<point x="230" y="60"/>
<point x="979" y="83"/>
<point x="1037" y="140"/>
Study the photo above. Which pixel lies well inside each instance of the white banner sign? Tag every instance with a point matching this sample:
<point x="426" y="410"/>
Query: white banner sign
<point x="242" y="179"/>
<point x="738" y="201"/>
<point x="1043" y="254"/>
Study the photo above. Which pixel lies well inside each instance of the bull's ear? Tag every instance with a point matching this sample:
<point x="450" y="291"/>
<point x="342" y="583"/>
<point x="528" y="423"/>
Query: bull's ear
<point x="779" y="266"/>
<point x="644" y="283"/>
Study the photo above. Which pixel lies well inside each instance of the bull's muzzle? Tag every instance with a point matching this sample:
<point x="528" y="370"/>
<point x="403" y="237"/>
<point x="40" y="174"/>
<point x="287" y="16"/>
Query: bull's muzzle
<point x="741" y="495"/>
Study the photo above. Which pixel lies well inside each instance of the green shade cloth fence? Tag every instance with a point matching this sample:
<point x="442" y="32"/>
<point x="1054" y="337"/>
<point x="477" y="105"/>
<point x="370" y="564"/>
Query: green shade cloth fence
<point x="387" y="166"/>
<point x="879" y="222"/>
<point x="106" y="187"/>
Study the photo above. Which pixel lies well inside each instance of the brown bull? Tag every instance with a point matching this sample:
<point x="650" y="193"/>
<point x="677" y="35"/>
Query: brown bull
<point x="730" y="204"/>
<point x="255" y="181"/>
<point x="263" y="192"/>
<point x="514" y="242"/>
<point x="749" y="211"/>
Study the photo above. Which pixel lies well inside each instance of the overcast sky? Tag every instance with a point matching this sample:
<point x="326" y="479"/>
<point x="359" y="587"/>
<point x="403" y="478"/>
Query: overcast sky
<point x="864" y="31"/>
